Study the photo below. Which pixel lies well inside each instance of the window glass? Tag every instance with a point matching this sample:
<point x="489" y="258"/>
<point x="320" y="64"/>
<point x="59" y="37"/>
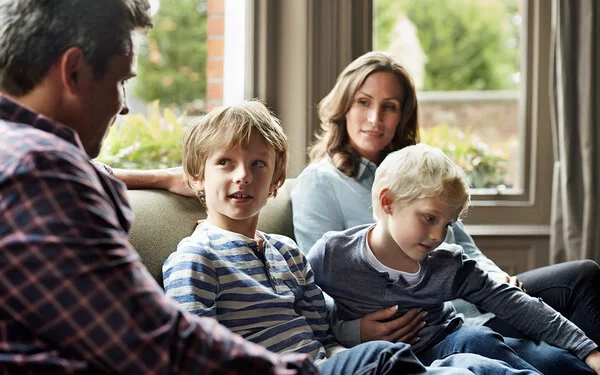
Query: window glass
<point x="464" y="56"/>
<point x="170" y="87"/>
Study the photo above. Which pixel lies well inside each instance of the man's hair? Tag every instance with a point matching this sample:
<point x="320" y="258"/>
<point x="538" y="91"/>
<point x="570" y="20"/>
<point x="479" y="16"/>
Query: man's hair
<point x="35" y="33"/>
<point x="333" y="140"/>
<point x="417" y="172"/>
<point x="230" y="127"/>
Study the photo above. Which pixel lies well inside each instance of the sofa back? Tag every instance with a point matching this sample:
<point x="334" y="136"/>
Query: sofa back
<point x="162" y="219"/>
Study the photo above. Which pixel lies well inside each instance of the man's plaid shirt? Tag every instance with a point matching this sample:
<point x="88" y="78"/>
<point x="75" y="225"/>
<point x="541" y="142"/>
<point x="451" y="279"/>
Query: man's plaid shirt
<point x="74" y="295"/>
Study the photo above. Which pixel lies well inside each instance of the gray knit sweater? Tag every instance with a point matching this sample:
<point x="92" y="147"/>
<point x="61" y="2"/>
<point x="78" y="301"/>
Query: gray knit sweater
<point x="446" y="273"/>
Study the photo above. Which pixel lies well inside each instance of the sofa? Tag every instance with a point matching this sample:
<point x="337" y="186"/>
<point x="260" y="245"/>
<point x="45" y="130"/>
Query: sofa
<point x="163" y="218"/>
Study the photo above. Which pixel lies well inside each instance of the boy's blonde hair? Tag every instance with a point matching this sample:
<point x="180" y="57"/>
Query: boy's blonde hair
<point x="230" y="127"/>
<point x="417" y="172"/>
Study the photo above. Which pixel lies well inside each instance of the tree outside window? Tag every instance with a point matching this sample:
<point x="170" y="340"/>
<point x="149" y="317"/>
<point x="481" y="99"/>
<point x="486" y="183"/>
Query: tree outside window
<point x="464" y="56"/>
<point x="170" y="86"/>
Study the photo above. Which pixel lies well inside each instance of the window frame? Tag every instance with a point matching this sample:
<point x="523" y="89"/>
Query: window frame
<point x="299" y="49"/>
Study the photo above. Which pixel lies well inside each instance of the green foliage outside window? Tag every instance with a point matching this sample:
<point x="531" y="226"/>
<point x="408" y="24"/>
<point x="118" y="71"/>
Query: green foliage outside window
<point x="145" y="142"/>
<point x="172" y="61"/>
<point x="485" y="168"/>
<point x="469" y="44"/>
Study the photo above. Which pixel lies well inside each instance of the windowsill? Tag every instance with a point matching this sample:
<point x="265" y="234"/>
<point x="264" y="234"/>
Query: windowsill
<point x="508" y="230"/>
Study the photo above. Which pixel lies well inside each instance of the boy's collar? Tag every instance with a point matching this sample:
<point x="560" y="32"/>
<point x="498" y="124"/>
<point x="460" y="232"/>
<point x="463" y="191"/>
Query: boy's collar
<point x="366" y="166"/>
<point x="259" y="237"/>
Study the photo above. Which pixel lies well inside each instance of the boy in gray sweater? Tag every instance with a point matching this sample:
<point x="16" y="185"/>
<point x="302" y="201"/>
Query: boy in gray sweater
<point x="401" y="261"/>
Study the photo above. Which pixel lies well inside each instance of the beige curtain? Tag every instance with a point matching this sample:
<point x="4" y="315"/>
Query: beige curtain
<point x="575" y="98"/>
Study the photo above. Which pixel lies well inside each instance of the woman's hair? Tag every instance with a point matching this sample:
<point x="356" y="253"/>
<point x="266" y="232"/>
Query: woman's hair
<point x="100" y="28"/>
<point x="333" y="140"/>
<point x="230" y="127"/>
<point x="417" y="172"/>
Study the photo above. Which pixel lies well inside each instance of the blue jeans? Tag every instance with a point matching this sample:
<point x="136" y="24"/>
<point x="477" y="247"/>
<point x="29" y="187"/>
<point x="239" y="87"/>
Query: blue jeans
<point x="476" y="340"/>
<point x="382" y="357"/>
<point x="548" y="359"/>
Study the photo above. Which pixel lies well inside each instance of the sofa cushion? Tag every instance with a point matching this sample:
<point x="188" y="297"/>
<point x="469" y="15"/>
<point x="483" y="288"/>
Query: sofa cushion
<point x="163" y="218"/>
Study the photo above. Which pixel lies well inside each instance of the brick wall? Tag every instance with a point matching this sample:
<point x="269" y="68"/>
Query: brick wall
<point x="215" y="53"/>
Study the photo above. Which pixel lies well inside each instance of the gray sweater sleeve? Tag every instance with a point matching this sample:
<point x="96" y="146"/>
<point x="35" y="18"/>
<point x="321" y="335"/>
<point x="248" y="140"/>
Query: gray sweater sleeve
<point x="346" y="332"/>
<point x="530" y="315"/>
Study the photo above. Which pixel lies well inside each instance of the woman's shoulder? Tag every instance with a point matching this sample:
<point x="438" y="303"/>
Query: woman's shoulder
<point x="319" y="167"/>
<point x="322" y="170"/>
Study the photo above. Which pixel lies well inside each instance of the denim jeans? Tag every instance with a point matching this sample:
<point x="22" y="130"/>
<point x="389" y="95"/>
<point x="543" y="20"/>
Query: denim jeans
<point x="382" y="357"/>
<point x="476" y="340"/>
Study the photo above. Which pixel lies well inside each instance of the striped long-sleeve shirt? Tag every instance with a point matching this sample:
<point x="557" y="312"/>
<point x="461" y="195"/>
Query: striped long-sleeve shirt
<point x="74" y="295"/>
<point x="268" y="297"/>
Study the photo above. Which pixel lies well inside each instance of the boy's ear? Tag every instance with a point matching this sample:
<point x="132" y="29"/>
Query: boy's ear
<point x="274" y="187"/>
<point x="197" y="184"/>
<point x="385" y="201"/>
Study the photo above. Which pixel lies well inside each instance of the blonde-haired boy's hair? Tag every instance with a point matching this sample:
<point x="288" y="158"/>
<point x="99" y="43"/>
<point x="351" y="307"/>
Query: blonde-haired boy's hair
<point x="333" y="140"/>
<point x="417" y="172"/>
<point x="230" y="127"/>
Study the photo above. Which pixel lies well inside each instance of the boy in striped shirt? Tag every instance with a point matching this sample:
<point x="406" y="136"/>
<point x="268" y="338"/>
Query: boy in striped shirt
<point x="260" y="285"/>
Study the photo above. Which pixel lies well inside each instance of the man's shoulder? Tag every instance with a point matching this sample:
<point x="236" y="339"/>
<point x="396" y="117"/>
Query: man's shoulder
<point x="25" y="147"/>
<point x="22" y="138"/>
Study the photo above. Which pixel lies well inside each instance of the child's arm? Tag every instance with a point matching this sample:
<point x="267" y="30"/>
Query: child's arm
<point x="593" y="361"/>
<point x="311" y="304"/>
<point x="190" y="279"/>
<point x="378" y="325"/>
<point x="528" y="314"/>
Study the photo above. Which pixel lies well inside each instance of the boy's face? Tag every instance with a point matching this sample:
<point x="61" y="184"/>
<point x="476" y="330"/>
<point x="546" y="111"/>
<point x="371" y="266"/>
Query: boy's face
<point x="421" y="226"/>
<point x="237" y="184"/>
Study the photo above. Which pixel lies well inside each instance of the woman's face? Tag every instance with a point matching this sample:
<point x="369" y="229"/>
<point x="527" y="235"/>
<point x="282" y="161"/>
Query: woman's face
<point x="374" y="115"/>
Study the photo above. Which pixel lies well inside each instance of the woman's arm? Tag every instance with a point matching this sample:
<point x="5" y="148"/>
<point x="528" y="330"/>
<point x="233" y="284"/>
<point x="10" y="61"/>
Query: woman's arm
<point x="316" y="209"/>
<point x="457" y="234"/>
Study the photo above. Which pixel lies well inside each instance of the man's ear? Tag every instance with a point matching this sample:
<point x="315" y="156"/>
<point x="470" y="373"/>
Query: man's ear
<point x="385" y="201"/>
<point x="74" y="69"/>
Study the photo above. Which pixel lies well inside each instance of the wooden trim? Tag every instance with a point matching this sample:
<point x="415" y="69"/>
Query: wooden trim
<point x="508" y="230"/>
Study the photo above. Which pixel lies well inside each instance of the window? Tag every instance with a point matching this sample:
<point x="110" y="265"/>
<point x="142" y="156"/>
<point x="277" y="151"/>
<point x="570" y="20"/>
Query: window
<point x="464" y="56"/>
<point x="181" y="68"/>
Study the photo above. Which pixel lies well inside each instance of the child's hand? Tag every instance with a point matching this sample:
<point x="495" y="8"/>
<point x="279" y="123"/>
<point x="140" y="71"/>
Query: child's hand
<point x="593" y="360"/>
<point x="513" y="280"/>
<point x="384" y="325"/>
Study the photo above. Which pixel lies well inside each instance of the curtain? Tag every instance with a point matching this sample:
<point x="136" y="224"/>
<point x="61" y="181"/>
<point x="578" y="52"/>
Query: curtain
<point x="575" y="103"/>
